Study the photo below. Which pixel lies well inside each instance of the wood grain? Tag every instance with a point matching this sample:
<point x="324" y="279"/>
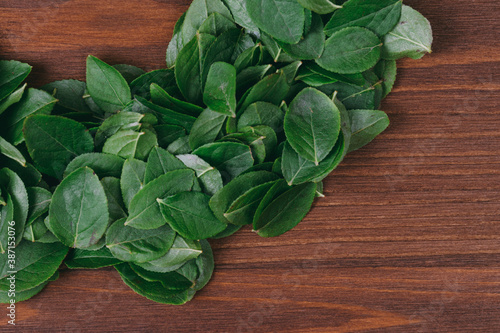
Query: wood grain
<point x="406" y="240"/>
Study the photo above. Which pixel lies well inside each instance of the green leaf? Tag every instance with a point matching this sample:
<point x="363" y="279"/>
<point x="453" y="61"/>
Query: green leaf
<point x="164" y="78"/>
<point x="380" y="16"/>
<point x="132" y="179"/>
<point x="69" y="94"/>
<point x="365" y="126"/>
<point x="166" y="116"/>
<point x="33" y="102"/>
<point x="230" y="230"/>
<point x="311" y="46"/>
<point x="411" y="37"/>
<point x="181" y="251"/>
<point x="108" y="88"/>
<point x="188" y="213"/>
<point x="316" y="76"/>
<point x="298" y="170"/>
<point x="111" y="186"/>
<point x="118" y="122"/>
<point x="216" y="24"/>
<point x="129" y="72"/>
<point x="168" y="133"/>
<point x="240" y="13"/>
<point x="205" y="264"/>
<point x="351" y="50"/>
<point x="53" y="141"/>
<point x="6" y="221"/>
<point x="162" y="98"/>
<point x="180" y="146"/>
<point x="272" y="89"/>
<point x="230" y="158"/>
<point x="286" y="211"/>
<point x="367" y="96"/>
<point x="223" y="199"/>
<point x="78" y="214"/>
<point x="189" y="67"/>
<point x="154" y="291"/>
<point x="198" y="12"/>
<point x="35" y="230"/>
<point x="242" y="210"/>
<point x="39" y="201"/>
<point x="12" y="184"/>
<point x="282" y="19"/>
<point x="249" y="77"/>
<point x="312" y="125"/>
<point x="135" y="245"/>
<point x="262" y="113"/>
<point x="176" y="43"/>
<point x="170" y="280"/>
<point x="144" y="211"/>
<point x="131" y="144"/>
<point x="35" y="264"/>
<point x="210" y="178"/>
<point x="206" y="128"/>
<point x="11" y="152"/>
<point x="387" y="71"/>
<point x="84" y="259"/>
<point x="250" y="57"/>
<point x="104" y="165"/>
<point x="21" y="295"/>
<point x="278" y="188"/>
<point x="12" y="98"/>
<point x="320" y="6"/>
<point x="13" y="73"/>
<point x="159" y="163"/>
<point x="220" y="89"/>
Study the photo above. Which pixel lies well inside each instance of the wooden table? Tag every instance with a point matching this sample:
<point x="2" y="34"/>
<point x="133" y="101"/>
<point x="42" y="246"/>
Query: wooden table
<point x="406" y="240"/>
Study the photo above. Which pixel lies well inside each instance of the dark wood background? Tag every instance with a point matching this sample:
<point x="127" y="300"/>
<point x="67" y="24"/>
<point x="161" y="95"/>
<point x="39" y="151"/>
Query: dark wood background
<point x="406" y="240"/>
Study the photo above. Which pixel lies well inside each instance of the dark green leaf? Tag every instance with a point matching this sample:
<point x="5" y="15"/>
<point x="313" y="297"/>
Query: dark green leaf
<point x="222" y="200"/>
<point x="131" y="144"/>
<point x="220" y="89"/>
<point x="188" y="213"/>
<point x="365" y="126"/>
<point x="351" y="50"/>
<point x="311" y="45"/>
<point x="35" y="263"/>
<point x="387" y="71"/>
<point x="312" y="125"/>
<point x="12" y="98"/>
<point x="411" y="37"/>
<point x="283" y="19"/>
<point x="165" y="78"/>
<point x="54" y="141"/>
<point x="320" y="6"/>
<point x="162" y="98"/>
<point x="129" y="73"/>
<point x="11" y="152"/>
<point x="210" y="178"/>
<point x="106" y="86"/>
<point x="131" y="244"/>
<point x="116" y="208"/>
<point x="380" y="16"/>
<point x="286" y="211"/>
<point x="104" y="165"/>
<point x="13" y="73"/>
<point x="84" y="259"/>
<point x="33" y="102"/>
<point x="159" y="163"/>
<point x="69" y="94"/>
<point x="181" y="251"/>
<point x="144" y="211"/>
<point x="228" y="157"/>
<point x="120" y="121"/>
<point x="78" y="213"/>
<point x="132" y="179"/>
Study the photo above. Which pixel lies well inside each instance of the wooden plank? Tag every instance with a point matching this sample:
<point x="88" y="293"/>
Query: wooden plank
<point x="406" y="240"/>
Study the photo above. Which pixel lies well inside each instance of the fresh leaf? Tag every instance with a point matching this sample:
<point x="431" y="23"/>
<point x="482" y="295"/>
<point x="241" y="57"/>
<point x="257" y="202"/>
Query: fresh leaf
<point x="107" y="87"/>
<point x="365" y="126"/>
<point x="210" y="177"/>
<point x="130" y="144"/>
<point x="286" y="211"/>
<point x="351" y="50"/>
<point x="54" y="141"/>
<point x="78" y="214"/>
<point x="84" y="259"/>
<point x="282" y="19"/>
<point x="206" y="128"/>
<point x="159" y="163"/>
<point x="132" y="179"/>
<point x="144" y="211"/>
<point x="13" y="73"/>
<point x="220" y="89"/>
<point x="135" y="245"/>
<point x="320" y="6"/>
<point x="104" y="165"/>
<point x="411" y="37"/>
<point x="189" y="214"/>
<point x="312" y="125"/>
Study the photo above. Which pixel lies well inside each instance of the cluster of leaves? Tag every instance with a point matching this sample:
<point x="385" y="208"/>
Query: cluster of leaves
<point x="261" y="100"/>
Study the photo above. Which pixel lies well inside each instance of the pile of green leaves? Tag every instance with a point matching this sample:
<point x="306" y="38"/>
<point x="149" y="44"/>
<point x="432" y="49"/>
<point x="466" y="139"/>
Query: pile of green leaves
<point x="260" y="102"/>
